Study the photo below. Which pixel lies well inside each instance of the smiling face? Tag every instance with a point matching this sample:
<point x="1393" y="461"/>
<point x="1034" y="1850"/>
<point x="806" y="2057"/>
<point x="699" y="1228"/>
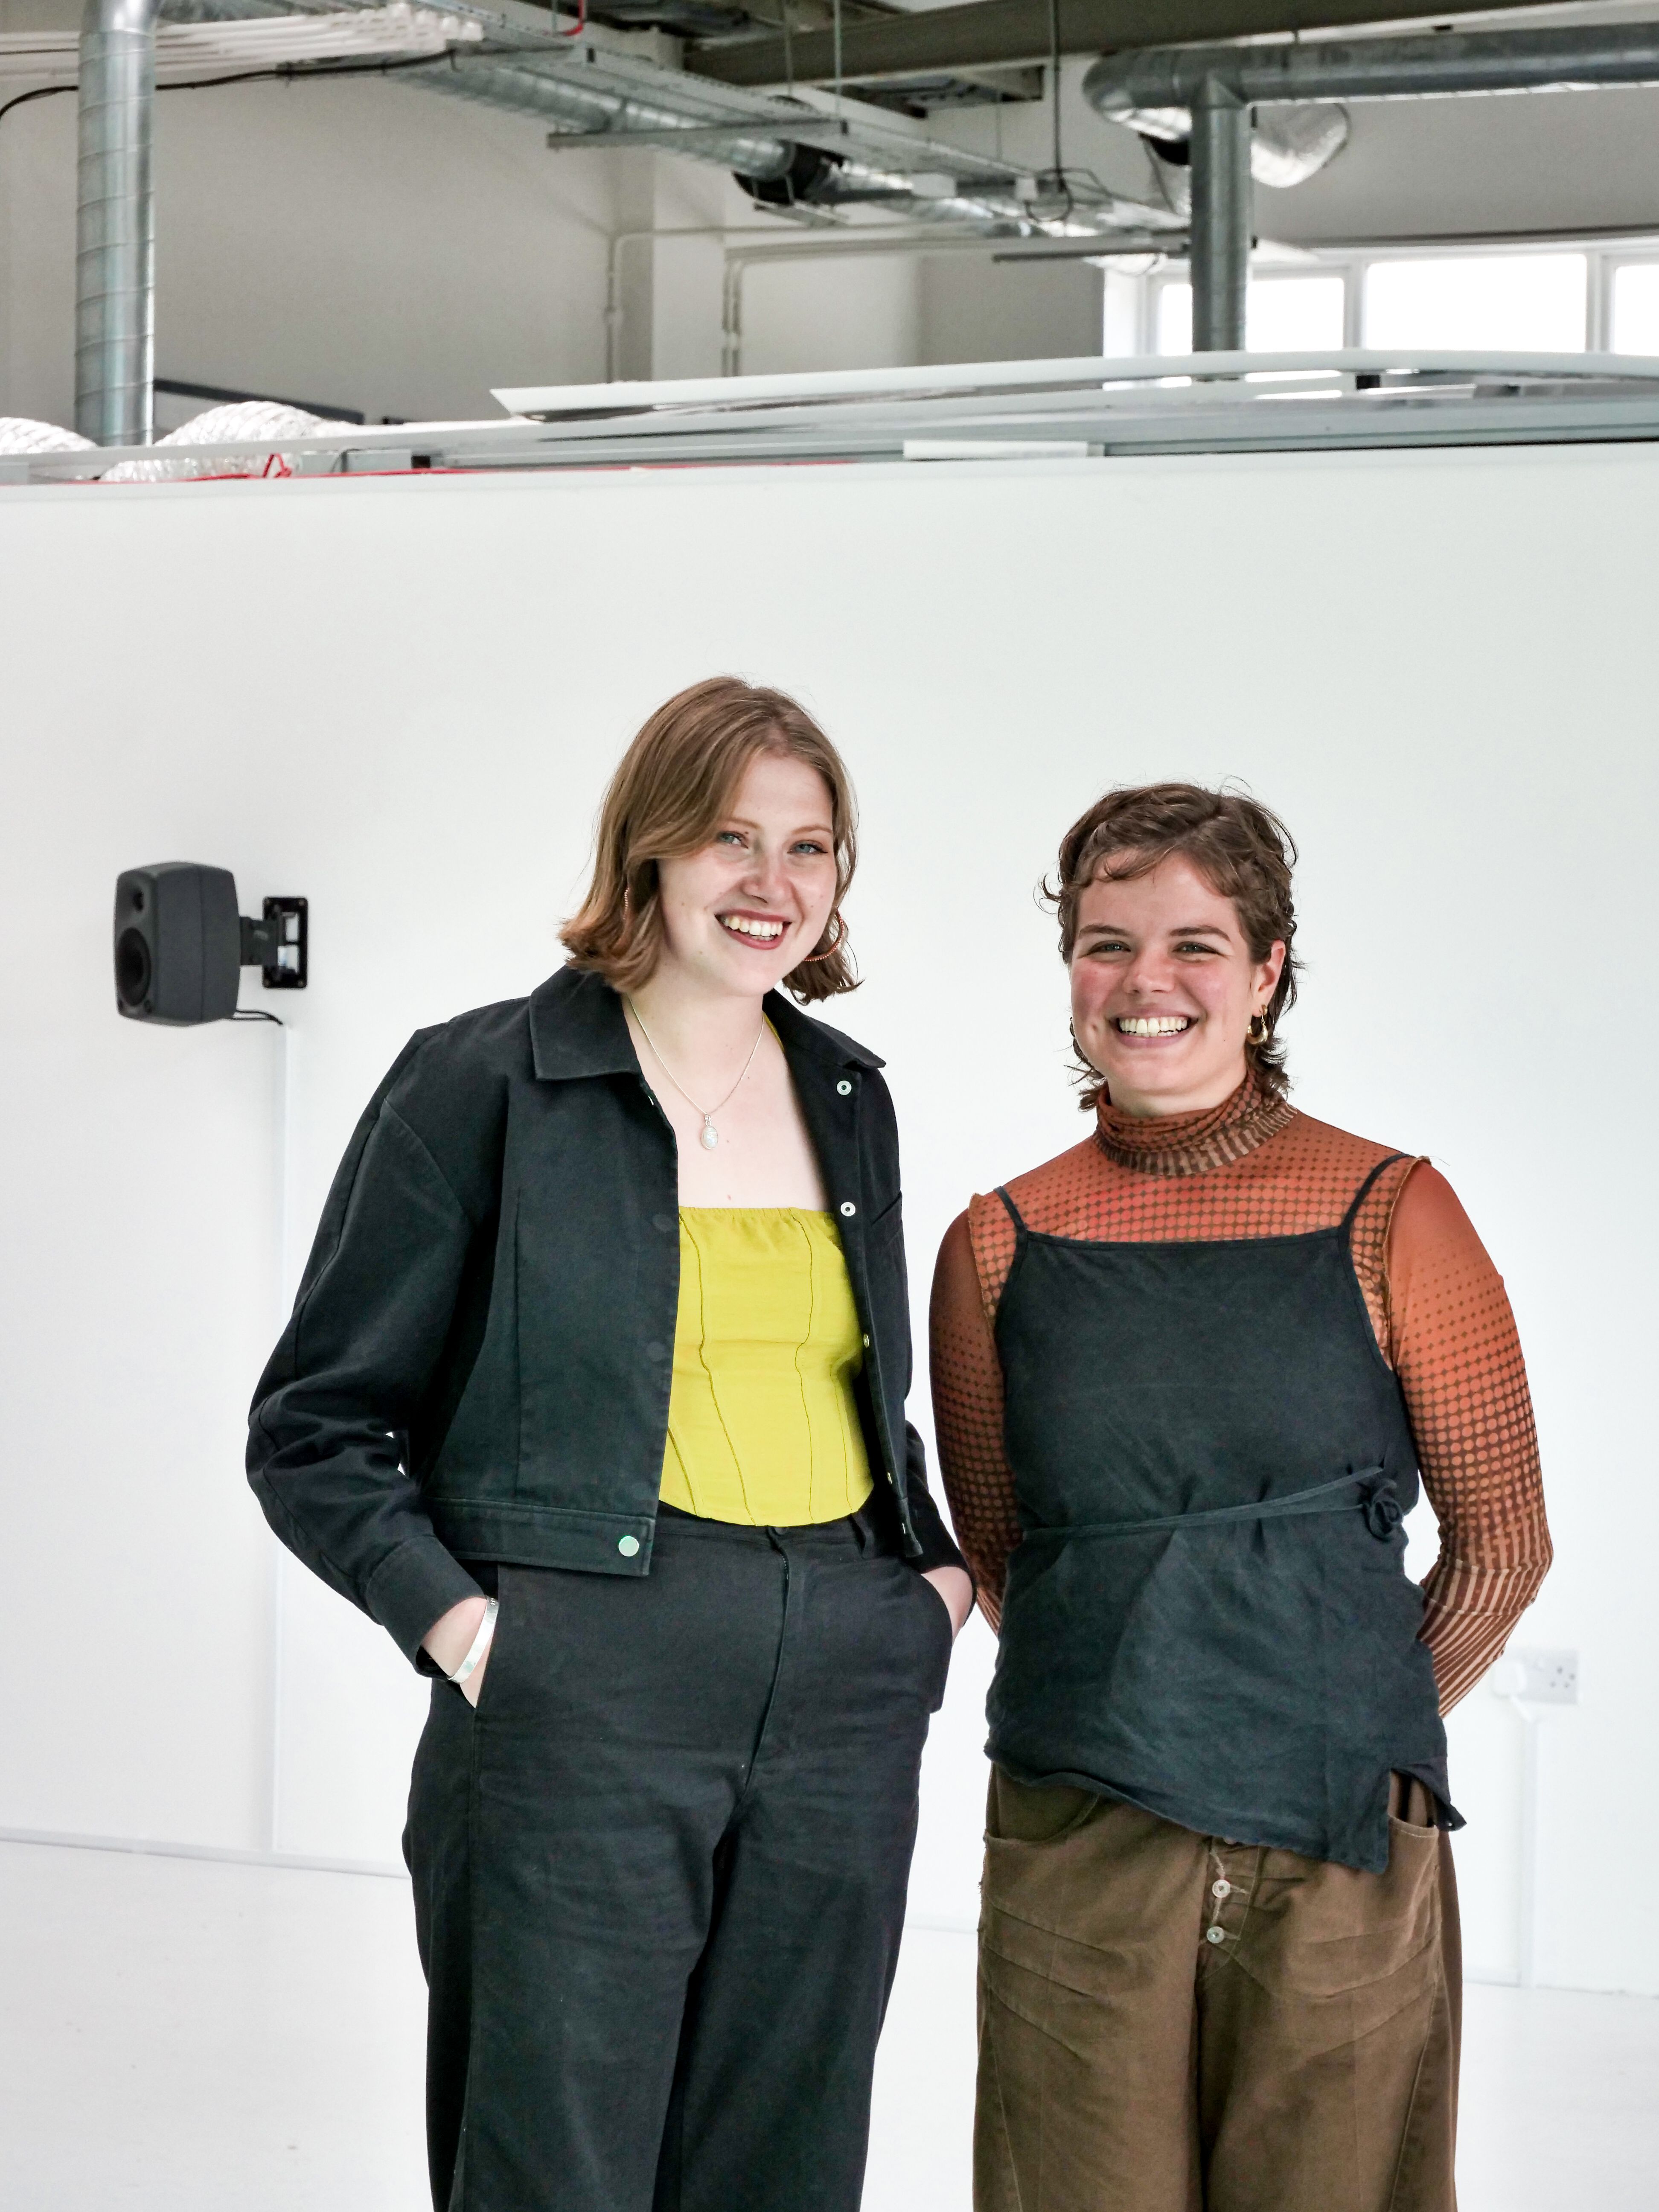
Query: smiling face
<point x="742" y="912"/>
<point x="1163" y="987"/>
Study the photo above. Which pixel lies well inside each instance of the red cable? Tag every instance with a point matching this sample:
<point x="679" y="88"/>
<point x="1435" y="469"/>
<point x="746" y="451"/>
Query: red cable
<point x="580" y="23"/>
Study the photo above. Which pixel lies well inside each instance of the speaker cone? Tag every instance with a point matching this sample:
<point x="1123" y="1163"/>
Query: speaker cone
<point x="132" y="969"/>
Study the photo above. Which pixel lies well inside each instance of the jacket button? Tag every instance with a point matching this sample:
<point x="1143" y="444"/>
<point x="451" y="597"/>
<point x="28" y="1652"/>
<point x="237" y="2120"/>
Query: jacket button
<point x="889" y="1477"/>
<point x="847" y="1209"/>
<point x="844" y="1088"/>
<point x="628" y="1545"/>
<point x="867" y="1343"/>
<point x="1215" y="1935"/>
<point x="656" y="1352"/>
<point x="663" y="1221"/>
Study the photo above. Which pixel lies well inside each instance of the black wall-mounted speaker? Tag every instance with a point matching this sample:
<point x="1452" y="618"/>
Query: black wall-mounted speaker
<point x="177" y="944"/>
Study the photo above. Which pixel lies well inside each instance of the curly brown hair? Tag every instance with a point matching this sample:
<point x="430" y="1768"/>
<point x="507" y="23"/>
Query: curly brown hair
<point x="1241" y="849"/>
<point x="671" y="789"/>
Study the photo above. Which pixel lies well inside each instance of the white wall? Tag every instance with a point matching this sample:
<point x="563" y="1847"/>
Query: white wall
<point x="401" y="698"/>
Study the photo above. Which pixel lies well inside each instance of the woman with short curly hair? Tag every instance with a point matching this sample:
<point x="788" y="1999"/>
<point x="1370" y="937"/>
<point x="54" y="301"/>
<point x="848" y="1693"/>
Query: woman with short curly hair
<point x="1186" y="1376"/>
<point x="594" y="1397"/>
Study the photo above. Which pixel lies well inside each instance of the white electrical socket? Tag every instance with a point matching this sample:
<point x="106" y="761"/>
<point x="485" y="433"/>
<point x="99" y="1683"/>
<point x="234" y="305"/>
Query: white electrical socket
<point x="1538" y="1678"/>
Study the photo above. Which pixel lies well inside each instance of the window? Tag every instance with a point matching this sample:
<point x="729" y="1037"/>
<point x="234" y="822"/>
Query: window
<point x="1491" y="303"/>
<point x="1175" y="319"/>
<point x="1295" y="315"/>
<point x="1636" y="308"/>
<point x="1603" y="296"/>
<point x="1283" y="314"/>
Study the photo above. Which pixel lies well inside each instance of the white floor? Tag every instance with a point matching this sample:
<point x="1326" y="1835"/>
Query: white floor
<point x="178" y="2036"/>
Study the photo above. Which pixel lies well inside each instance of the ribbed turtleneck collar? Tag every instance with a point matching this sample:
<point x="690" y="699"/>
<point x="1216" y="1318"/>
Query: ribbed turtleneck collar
<point x="1188" y="1144"/>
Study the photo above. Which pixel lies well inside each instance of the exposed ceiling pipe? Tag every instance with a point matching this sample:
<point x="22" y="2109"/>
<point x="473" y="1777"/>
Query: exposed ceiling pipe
<point x="811" y="176"/>
<point x="991" y="33"/>
<point x="610" y="97"/>
<point x="1442" y="64"/>
<point x="835" y="180"/>
<point x="1210" y="81"/>
<point x="520" y="87"/>
<point x="115" y="224"/>
<point x="1288" y="145"/>
<point x="1221" y="226"/>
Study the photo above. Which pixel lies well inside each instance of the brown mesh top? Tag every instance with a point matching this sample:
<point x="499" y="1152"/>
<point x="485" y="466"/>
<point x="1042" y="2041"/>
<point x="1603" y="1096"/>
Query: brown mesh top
<point x="1256" y="1167"/>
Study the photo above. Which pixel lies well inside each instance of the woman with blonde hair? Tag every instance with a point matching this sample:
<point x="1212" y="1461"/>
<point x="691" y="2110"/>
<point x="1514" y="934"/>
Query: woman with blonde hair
<point x="593" y="1396"/>
<point x="1187" y="1376"/>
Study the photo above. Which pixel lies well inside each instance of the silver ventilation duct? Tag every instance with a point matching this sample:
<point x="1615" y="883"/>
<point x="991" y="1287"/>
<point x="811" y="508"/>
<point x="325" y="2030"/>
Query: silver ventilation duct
<point x="115" y="224"/>
<point x="1168" y="81"/>
<point x="522" y="89"/>
<point x="1291" y="144"/>
<point x="805" y="156"/>
<point x="1221" y="229"/>
<point x="591" y="95"/>
<point x="1288" y="145"/>
<point x="1442" y="65"/>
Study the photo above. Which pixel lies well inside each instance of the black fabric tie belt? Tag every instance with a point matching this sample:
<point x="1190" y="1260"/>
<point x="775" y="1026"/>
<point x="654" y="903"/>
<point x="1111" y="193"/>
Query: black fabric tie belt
<point x="1378" y="1500"/>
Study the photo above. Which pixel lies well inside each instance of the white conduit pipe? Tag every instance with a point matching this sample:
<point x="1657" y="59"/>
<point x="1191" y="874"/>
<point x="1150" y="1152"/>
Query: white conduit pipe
<point x="115" y="224"/>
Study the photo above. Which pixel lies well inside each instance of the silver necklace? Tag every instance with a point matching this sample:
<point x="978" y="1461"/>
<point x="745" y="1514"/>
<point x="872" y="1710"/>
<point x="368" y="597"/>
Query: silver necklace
<point x="710" y="1136"/>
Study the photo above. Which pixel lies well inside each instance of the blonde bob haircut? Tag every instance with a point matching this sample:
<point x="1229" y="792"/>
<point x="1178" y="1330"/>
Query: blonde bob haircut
<point x="673" y="787"/>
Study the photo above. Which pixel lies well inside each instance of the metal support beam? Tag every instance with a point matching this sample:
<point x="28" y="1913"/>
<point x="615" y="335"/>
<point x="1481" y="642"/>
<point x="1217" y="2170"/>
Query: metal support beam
<point x="1220" y="218"/>
<point x="115" y="225"/>
<point x="987" y="33"/>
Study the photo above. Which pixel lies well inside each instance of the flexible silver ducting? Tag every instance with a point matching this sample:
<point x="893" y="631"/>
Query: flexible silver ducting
<point x="115" y="223"/>
<point x="522" y="89"/>
<point x="1288" y="145"/>
<point x="588" y="113"/>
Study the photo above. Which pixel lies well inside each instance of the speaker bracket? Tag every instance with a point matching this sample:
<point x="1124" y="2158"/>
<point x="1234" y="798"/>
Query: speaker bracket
<point x="278" y="943"/>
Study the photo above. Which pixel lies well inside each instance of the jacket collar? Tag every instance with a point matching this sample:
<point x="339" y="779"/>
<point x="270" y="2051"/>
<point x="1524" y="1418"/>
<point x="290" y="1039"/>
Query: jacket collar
<point x="814" y="1042"/>
<point x="577" y="1029"/>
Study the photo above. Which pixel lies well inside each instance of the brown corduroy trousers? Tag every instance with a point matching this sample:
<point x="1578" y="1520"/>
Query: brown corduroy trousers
<point x="1170" y="2022"/>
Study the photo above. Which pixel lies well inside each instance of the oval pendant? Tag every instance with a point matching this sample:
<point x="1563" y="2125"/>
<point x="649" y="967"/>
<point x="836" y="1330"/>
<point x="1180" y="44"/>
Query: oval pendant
<point x="710" y="1137"/>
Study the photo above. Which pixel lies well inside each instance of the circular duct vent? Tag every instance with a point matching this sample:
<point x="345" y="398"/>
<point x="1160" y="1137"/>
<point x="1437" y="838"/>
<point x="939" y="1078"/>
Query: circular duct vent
<point x="808" y="172"/>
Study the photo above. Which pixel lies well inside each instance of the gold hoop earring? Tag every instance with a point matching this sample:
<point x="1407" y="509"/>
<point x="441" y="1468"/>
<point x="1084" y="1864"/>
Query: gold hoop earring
<point x="1260" y="1030"/>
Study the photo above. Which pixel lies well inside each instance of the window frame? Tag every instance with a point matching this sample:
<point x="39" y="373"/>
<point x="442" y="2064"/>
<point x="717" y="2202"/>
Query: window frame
<point x="1604" y="258"/>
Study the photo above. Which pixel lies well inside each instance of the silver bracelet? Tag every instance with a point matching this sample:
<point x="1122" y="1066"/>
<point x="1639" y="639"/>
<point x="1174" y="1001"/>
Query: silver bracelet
<point x="480" y="1642"/>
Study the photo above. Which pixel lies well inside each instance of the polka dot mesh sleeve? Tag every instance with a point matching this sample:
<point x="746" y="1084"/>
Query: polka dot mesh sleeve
<point x="967" y="1386"/>
<point x="1436" y="1304"/>
<point x="1458" y="1357"/>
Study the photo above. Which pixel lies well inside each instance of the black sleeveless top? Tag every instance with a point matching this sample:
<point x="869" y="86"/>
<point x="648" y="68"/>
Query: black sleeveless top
<point x="1207" y="1613"/>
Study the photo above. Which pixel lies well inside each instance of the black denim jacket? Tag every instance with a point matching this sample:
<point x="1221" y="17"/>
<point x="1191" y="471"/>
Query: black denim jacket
<point x="478" y="1362"/>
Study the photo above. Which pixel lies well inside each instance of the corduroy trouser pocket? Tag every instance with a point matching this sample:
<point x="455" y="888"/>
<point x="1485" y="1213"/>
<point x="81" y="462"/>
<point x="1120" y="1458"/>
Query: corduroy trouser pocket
<point x="1172" y="2023"/>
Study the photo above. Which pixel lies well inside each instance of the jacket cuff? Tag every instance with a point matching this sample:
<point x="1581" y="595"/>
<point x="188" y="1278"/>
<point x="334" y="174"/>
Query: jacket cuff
<point x="939" y="1548"/>
<point x="412" y="1588"/>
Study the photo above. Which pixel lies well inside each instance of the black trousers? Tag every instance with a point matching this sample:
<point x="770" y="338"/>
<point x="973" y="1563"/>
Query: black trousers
<point x="659" y="1874"/>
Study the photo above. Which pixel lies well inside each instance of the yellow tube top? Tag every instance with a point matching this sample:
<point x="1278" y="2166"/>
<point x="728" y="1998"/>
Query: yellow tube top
<point x="762" y="1426"/>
